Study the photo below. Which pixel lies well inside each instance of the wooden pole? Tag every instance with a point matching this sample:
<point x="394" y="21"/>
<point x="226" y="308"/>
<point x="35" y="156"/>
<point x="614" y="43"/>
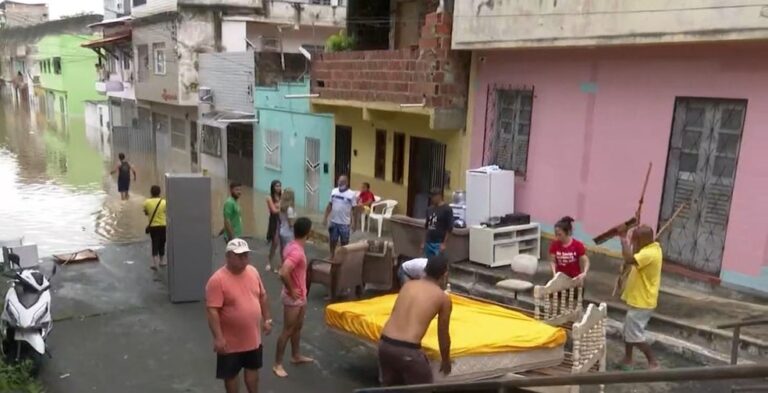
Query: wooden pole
<point x="669" y="222"/>
<point x="624" y="272"/>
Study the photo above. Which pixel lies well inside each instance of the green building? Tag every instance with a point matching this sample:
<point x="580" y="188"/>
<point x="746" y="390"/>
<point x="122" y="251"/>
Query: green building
<point x="66" y="75"/>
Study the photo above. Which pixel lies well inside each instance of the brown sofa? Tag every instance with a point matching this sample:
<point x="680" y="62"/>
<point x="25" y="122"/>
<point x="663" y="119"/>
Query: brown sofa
<point x="408" y="234"/>
<point x="344" y="272"/>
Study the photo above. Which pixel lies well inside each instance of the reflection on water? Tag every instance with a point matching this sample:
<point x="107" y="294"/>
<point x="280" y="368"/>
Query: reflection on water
<point x="58" y="192"/>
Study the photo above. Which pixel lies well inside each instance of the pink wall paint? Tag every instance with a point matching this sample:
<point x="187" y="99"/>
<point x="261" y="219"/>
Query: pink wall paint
<point x="589" y="152"/>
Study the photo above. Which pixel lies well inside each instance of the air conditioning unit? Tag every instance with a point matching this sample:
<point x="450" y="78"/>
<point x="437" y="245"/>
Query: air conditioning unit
<point x="205" y="95"/>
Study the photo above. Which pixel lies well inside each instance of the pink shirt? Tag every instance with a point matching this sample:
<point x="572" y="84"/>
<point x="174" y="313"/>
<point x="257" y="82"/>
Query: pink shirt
<point x="294" y="257"/>
<point x="237" y="298"/>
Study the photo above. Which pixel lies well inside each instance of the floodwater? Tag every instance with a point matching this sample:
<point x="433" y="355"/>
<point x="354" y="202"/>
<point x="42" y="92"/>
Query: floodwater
<point x="56" y="189"/>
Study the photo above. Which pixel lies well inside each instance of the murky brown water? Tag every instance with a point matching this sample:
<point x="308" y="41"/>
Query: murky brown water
<point x="56" y="190"/>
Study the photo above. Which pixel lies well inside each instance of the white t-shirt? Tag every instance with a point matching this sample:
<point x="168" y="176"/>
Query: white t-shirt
<point x="415" y="267"/>
<point x="341" y="206"/>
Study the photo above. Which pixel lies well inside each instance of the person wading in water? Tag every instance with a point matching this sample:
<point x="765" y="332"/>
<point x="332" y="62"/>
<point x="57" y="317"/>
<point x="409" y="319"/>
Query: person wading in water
<point x="124" y="170"/>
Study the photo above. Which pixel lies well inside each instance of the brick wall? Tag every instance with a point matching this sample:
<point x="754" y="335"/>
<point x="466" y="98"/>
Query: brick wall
<point x="430" y="72"/>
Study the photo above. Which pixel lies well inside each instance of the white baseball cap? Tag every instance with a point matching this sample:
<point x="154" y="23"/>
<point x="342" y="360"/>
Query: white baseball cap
<point x="238" y="246"/>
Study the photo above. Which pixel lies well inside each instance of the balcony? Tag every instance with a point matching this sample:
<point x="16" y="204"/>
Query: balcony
<point x="537" y="24"/>
<point x="428" y="78"/>
<point x="104" y="87"/>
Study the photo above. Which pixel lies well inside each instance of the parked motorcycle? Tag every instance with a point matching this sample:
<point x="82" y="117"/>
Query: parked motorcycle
<point x="26" y="318"/>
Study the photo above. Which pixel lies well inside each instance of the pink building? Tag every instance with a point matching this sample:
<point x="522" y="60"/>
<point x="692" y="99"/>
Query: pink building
<point x="579" y="110"/>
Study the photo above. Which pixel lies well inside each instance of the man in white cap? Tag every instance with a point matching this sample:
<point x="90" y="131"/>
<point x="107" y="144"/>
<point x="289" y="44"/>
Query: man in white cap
<point x="237" y="311"/>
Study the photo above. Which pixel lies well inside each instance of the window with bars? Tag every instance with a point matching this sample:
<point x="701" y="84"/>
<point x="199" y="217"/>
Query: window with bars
<point x="210" y="141"/>
<point x="272" y="149"/>
<point x="158" y="49"/>
<point x="509" y="144"/>
<point x="178" y="134"/>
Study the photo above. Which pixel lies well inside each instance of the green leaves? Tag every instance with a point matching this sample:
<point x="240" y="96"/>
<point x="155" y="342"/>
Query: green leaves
<point x="18" y="379"/>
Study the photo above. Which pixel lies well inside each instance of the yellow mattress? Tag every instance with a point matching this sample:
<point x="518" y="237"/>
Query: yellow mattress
<point x="476" y="327"/>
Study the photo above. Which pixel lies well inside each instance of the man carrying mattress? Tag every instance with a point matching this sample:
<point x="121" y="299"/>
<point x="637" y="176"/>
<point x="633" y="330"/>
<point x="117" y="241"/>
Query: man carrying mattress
<point x="401" y="361"/>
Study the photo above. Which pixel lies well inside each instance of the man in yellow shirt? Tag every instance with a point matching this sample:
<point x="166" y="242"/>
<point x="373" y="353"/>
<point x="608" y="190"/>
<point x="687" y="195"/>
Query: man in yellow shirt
<point x="644" y="257"/>
<point x="154" y="208"/>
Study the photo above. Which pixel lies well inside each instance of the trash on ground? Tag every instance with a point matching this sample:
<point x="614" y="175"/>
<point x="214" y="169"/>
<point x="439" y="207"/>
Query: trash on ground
<point x="76" y="257"/>
<point x="62" y="376"/>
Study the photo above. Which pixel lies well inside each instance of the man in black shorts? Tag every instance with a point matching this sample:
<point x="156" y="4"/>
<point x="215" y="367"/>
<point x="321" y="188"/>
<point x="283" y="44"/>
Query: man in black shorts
<point x="401" y="361"/>
<point x="238" y="310"/>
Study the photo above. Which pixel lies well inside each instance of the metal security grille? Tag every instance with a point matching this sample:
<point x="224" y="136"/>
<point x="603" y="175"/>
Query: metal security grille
<point x="701" y="169"/>
<point x="311" y="173"/>
<point x="211" y="141"/>
<point x="272" y="149"/>
<point x="508" y="127"/>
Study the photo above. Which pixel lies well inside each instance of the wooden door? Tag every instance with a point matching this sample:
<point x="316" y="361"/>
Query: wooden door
<point x="701" y="170"/>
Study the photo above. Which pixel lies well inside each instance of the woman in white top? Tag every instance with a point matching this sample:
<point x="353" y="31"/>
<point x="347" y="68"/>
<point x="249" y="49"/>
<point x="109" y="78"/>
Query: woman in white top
<point x="287" y="215"/>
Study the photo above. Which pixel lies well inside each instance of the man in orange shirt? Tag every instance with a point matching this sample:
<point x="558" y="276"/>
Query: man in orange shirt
<point x="237" y="305"/>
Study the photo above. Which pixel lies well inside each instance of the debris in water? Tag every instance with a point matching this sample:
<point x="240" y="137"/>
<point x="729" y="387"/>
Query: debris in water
<point x="79" y="256"/>
<point x="129" y="262"/>
<point x="62" y="376"/>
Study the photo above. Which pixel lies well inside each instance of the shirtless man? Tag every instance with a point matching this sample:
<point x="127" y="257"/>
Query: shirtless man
<point x="401" y="361"/>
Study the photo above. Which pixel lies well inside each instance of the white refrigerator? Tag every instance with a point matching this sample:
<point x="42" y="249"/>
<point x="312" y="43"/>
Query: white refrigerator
<point x="490" y="193"/>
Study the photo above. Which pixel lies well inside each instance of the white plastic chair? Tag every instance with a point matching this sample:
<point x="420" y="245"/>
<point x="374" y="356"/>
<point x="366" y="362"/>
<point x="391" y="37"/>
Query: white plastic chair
<point x="523" y="266"/>
<point x="389" y="207"/>
<point x="364" y="216"/>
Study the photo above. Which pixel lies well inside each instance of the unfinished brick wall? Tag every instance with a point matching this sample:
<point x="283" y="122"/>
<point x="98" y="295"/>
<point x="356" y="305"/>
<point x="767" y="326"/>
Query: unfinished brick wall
<point x="431" y="72"/>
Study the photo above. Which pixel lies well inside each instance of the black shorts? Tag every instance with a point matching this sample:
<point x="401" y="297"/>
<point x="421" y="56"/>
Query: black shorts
<point x="229" y="365"/>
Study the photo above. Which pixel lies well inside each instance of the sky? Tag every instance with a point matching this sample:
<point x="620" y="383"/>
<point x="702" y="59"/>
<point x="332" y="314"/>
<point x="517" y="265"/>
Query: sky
<point x="59" y="8"/>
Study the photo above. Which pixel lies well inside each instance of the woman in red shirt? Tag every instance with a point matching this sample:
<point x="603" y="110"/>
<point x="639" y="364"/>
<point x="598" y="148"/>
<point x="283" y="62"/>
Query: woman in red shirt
<point x="567" y="254"/>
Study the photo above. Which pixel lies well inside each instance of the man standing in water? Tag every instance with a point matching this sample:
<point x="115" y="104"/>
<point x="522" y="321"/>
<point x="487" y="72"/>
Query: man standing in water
<point x="644" y="256"/>
<point x="238" y="310"/>
<point x="401" y="361"/>
<point x="340" y="211"/>
<point x="123" y="170"/>
<point x="293" y="273"/>
<point x="233" y="218"/>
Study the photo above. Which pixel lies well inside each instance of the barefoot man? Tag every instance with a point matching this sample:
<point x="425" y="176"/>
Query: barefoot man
<point x="238" y="311"/>
<point x="401" y="361"/>
<point x="644" y="256"/>
<point x="293" y="273"/>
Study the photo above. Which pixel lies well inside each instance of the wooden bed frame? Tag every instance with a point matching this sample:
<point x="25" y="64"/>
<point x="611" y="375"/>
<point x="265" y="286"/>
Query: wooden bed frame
<point x="558" y="302"/>
<point x="589" y="351"/>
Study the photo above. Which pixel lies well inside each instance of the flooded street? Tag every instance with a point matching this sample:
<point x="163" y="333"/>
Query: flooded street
<point x="58" y="192"/>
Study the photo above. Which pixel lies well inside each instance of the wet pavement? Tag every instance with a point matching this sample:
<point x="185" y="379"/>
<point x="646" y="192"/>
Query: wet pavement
<point x="116" y="331"/>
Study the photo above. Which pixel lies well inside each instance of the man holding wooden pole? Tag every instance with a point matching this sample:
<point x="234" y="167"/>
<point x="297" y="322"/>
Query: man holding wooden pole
<point x="643" y="257"/>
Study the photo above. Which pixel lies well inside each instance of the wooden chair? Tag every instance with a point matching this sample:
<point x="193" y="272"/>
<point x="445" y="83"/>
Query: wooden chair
<point x="344" y="272"/>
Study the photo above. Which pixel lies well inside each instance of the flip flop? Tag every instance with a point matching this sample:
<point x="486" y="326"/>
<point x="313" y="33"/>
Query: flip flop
<point x="626" y="367"/>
